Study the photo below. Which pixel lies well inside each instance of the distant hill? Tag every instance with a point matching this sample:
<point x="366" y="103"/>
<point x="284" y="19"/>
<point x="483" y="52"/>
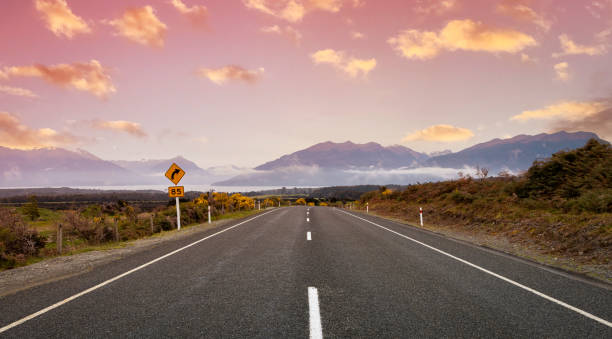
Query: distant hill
<point x="54" y="167"/>
<point x="348" y="155"/>
<point x="515" y="154"/>
<point x="159" y="166"/>
<point x="155" y="168"/>
<point x="59" y="167"/>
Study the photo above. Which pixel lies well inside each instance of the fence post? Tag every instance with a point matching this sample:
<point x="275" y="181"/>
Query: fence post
<point x="116" y="231"/>
<point x="59" y="239"/>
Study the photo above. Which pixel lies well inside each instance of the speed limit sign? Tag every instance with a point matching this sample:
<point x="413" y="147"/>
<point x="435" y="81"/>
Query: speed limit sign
<point x="176" y="191"/>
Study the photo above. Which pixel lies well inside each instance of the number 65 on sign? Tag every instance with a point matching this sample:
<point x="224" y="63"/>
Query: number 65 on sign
<point x="176" y="191"/>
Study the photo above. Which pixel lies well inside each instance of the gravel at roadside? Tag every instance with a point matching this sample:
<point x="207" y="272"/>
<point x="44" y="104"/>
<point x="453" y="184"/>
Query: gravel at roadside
<point x="62" y="267"/>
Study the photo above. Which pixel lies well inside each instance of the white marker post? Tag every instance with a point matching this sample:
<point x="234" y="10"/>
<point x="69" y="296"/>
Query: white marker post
<point x="209" y="214"/>
<point x="258" y="205"/>
<point x="178" y="214"/>
<point x="367" y="207"/>
<point x="421" y="215"/>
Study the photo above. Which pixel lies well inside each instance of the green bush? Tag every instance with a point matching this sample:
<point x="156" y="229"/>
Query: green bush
<point x="594" y="201"/>
<point x="31" y="208"/>
<point x="461" y="197"/>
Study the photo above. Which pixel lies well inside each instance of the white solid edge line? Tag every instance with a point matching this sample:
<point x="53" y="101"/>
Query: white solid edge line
<point x="308" y="236"/>
<point x="91" y="289"/>
<point x="529" y="289"/>
<point x="316" y="330"/>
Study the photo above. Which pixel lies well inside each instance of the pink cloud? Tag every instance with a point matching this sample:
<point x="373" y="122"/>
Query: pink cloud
<point x="466" y="35"/>
<point x="288" y="32"/>
<point x="89" y="77"/>
<point x="14" y="134"/>
<point x="198" y="14"/>
<point x="17" y="91"/>
<point x="231" y="72"/>
<point x="129" y="127"/>
<point x="60" y="19"/>
<point x="142" y="26"/>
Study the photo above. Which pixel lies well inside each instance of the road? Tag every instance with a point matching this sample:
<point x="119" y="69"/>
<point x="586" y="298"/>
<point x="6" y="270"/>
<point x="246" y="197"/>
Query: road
<point x="357" y="276"/>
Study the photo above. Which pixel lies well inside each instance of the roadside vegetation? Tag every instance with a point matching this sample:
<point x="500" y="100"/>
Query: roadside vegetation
<point x="29" y="233"/>
<point x="562" y="206"/>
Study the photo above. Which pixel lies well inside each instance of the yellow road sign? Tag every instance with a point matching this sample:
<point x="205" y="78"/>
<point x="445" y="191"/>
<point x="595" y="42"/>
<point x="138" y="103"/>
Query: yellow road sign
<point x="176" y="191"/>
<point x="175" y="173"/>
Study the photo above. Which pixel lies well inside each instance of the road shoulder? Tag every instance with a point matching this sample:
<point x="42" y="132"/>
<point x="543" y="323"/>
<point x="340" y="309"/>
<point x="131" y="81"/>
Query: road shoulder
<point x="597" y="274"/>
<point x="62" y="267"/>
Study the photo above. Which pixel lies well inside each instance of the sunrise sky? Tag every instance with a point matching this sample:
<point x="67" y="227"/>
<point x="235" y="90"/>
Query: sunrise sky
<point x="245" y="81"/>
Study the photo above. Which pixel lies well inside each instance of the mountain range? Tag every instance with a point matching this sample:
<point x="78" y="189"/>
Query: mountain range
<point x="326" y="163"/>
<point x="349" y="155"/>
<point x="348" y="163"/>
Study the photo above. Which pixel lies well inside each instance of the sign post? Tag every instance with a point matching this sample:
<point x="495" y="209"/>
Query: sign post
<point x="175" y="174"/>
<point x="178" y="215"/>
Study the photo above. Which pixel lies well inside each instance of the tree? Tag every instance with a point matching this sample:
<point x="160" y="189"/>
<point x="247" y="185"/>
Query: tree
<point x="31" y="208"/>
<point x="484" y="172"/>
<point x="300" y="201"/>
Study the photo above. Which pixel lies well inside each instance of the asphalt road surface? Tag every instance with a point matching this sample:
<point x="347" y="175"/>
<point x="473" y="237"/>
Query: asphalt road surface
<point x="314" y="272"/>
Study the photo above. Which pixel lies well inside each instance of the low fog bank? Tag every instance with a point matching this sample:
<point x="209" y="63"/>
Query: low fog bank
<point x="316" y="176"/>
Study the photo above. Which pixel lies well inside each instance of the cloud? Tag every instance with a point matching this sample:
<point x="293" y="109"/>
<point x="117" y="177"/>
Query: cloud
<point x="442" y="133"/>
<point x="525" y="58"/>
<point x="291" y="10"/>
<point x="357" y="35"/>
<point x="562" y="71"/>
<point x="566" y="110"/>
<point x="198" y="14"/>
<point x="437" y="7"/>
<point x="231" y="72"/>
<point x="89" y="77"/>
<point x="13" y="134"/>
<point x="465" y="35"/>
<point x="520" y="10"/>
<point x="60" y="19"/>
<point x="600" y="123"/>
<point x="350" y="65"/>
<point x="288" y="32"/>
<point x="574" y="116"/>
<point x="295" y="10"/>
<point x="569" y="47"/>
<point x="599" y="8"/>
<point x="16" y="91"/>
<point x="142" y="26"/>
<point x="129" y="127"/>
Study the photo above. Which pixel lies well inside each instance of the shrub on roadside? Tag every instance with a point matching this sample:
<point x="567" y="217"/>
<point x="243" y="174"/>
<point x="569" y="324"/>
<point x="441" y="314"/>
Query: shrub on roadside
<point x="17" y="240"/>
<point x="461" y="197"/>
<point x="94" y="231"/>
